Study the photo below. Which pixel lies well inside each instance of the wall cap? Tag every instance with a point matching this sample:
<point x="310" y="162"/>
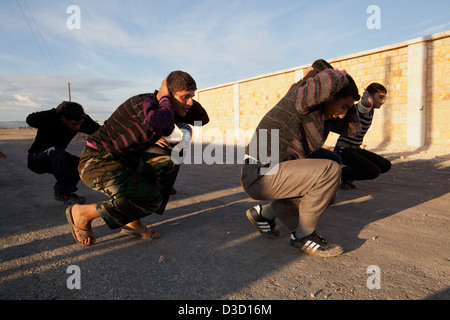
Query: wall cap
<point x="406" y="43"/>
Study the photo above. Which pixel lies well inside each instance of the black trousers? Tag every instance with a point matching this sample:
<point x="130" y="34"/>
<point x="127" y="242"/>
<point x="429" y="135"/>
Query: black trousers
<point x="63" y="165"/>
<point x="361" y="164"/>
<point x="322" y="153"/>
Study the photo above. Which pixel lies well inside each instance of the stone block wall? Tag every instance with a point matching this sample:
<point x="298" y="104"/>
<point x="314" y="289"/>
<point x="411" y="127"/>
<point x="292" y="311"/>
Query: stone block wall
<point x="416" y="74"/>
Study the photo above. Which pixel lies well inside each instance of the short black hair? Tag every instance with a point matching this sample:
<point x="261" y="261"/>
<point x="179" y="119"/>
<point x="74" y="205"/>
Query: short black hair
<point x="351" y="89"/>
<point x="320" y="65"/>
<point x="179" y="81"/>
<point x="376" y="87"/>
<point x="73" y="111"/>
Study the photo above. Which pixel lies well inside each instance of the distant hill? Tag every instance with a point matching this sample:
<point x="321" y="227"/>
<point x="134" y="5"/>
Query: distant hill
<point x="13" y="124"/>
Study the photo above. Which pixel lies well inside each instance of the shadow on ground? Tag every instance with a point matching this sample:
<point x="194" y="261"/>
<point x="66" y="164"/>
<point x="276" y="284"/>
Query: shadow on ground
<point x="208" y="249"/>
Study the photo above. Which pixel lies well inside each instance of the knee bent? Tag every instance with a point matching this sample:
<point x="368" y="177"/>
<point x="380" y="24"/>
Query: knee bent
<point x="334" y="169"/>
<point x="332" y="172"/>
<point x="141" y="206"/>
<point x="386" y="166"/>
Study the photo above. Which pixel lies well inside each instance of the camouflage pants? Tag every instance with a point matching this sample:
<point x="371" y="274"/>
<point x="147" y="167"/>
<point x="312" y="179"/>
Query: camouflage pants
<point x="137" y="187"/>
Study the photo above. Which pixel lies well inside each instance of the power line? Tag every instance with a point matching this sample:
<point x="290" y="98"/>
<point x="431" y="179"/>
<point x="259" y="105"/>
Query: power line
<point x="48" y="56"/>
<point x="43" y="40"/>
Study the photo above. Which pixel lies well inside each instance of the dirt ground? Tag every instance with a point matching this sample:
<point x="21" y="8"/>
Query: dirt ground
<point x="396" y="224"/>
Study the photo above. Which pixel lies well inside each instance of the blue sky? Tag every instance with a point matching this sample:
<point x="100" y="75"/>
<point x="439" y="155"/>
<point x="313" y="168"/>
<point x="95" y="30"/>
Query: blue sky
<point x="124" y="48"/>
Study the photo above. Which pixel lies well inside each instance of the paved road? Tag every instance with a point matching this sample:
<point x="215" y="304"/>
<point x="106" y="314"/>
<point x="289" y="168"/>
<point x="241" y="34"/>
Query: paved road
<point x="209" y="251"/>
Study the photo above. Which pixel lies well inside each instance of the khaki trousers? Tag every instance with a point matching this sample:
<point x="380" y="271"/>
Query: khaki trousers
<point x="301" y="189"/>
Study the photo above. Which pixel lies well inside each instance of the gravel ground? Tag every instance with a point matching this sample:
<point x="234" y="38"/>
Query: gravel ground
<point x="396" y="225"/>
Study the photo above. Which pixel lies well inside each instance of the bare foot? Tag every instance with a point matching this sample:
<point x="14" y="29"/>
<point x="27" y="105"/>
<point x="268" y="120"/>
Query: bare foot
<point x="82" y="220"/>
<point x="142" y="230"/>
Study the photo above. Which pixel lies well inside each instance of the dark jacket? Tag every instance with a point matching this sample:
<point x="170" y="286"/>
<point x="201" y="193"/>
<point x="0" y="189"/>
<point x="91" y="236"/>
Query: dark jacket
<point x="52" y="132"/>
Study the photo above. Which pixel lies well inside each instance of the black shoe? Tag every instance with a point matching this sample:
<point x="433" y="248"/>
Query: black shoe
<point x="347" y="185"/>
<point x="59" y="197"/>
<point x="265" y="226"/>
<point x="73" y="198"/>
<point x="70" y="199"/>
<point x="315" y="245"/>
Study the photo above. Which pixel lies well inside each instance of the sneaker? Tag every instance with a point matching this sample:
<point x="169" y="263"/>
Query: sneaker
<point x="315" y="245"/>
<point x="70" y="199"/>
<point x="265" y="226"/>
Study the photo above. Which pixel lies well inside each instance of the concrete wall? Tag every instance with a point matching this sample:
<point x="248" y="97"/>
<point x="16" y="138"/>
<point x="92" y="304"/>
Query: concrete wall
<point x="417" y="112"/>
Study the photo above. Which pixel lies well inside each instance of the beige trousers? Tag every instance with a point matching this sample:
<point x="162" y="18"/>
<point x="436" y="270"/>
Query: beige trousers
<point x="301" y="189"/>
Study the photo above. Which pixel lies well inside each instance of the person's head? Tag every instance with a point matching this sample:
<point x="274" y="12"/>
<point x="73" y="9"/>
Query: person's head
<point x="342" y="101"/>
<point x="320" y="65"/>
<point x="182" y="89"/>
<point x="378" y="93"/>
<point x="317" y="67"/>
<point x="72" y="115"/>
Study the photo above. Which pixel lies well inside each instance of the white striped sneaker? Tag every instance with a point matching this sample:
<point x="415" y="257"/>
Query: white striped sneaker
<point x="265" y="226"/>
<point x="315" y="245"/>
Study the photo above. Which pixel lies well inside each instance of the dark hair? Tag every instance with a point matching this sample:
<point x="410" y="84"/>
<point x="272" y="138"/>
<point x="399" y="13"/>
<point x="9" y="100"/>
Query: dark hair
<point x="376" y="87"/>
<point x="349" y="90"/>
<point x="320" y="65"/>
<point x="179" y="81"/>
<point x="72" y="111"/>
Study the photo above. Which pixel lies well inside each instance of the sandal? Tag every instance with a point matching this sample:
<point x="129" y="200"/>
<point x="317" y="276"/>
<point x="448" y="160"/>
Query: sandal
<point x="83" y="234"/>
<point x="150" y="234"/>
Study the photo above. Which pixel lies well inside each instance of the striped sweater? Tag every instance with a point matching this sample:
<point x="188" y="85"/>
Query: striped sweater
<point x="366" y="122"/>
<point x="135" y="125"/>
<point x="299" y="120"/>
<point x="138" y="123"/>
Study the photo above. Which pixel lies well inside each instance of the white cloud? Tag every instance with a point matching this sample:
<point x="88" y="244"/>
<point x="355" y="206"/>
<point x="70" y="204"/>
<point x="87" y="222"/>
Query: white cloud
<point x="209" y="35"/>
<point x="24" y="101"/>
<point x="139" y="42"/>
<point x="22" y="95"/>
